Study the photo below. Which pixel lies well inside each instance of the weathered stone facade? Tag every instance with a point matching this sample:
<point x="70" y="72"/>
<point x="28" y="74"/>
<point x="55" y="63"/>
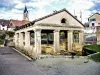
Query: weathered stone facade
<point x="49" y="24"/>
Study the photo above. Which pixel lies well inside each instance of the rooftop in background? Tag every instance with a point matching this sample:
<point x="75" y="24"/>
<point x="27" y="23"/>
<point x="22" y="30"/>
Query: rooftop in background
<point x="18" y="23"/>
<point x="4" y="22"/>
<point x="93" y="15"/>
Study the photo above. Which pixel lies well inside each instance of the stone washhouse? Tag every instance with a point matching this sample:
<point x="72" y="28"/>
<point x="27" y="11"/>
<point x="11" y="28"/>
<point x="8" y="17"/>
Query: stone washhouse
<point x="55" y="32"/>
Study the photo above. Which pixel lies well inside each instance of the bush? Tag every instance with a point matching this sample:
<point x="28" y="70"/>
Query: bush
<point x="93" y="47"/>
<point x="1" y="41"/>
<point x="10" y="33"/>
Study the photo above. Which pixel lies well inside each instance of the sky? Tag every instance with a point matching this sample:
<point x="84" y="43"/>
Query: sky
<point x="13" y="9"/>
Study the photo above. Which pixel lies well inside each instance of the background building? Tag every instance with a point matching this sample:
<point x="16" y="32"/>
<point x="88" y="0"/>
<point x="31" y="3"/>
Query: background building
<point x="90" y="28"/>
<point x="4" y="24"/>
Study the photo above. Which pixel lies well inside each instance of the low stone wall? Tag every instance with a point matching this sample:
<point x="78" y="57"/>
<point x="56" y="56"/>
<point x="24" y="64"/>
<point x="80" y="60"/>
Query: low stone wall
<point x="28" y="52"/>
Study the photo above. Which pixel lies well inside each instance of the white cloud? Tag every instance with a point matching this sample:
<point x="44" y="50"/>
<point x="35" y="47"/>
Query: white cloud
<point x="20" y="6"/>
<point x="16" y="11"/>
<point x="40" y="5"/>
<point x="10" y="15"/>
<point x="80" y="5"/>
<point x="94" y="11"/>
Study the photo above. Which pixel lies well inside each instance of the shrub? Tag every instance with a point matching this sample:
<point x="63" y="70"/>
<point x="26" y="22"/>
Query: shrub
<point x="1" y="41"/>
<point x="10" y="33"/>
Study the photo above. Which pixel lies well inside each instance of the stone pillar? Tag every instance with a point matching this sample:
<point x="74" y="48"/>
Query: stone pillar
<point x="81" y="37"/>
<point x="37" y="38"/>
<point x="16" y="39"/>
<point x="70" y="40"/>
<point x="98" y="38"/>
<point x="56" y="41"/>
<point x="27" y="40"/>
<point x="21" y="39"/>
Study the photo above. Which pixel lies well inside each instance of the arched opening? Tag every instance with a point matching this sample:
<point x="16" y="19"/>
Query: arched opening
<point x="63" y="20"/>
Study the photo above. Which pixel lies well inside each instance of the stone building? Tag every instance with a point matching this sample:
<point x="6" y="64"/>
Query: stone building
<point x="55" y="32"/>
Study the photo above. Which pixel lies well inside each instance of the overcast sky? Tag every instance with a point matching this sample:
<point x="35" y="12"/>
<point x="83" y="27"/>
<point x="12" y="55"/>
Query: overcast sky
<point x="13" y="9"/>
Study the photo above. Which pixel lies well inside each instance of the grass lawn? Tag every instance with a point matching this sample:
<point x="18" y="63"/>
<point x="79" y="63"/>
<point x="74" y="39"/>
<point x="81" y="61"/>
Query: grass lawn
<point x="95" y="57"/>
<point x="96" y="48"/>
<point x="93" y="47"/>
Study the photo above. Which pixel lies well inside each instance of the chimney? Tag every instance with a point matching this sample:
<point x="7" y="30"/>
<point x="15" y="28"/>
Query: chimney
<point x="75" y="16"/>
<point x="55" y="11"/>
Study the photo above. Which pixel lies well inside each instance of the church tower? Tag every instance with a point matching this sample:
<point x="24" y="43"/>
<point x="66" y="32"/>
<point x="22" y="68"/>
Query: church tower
<point x="25" y="14"/>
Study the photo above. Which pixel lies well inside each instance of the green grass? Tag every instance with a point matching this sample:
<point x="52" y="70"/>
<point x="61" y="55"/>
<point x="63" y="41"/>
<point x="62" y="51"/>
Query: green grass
<point x="1" y="41"/>
<point x="96" y="48"/>
<point x="95" y="57"/>
<point x="93" y="47"/>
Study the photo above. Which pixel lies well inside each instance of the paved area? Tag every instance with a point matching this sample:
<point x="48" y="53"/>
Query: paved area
<point x="68" y="66"/>
<point x="12" y="63"/>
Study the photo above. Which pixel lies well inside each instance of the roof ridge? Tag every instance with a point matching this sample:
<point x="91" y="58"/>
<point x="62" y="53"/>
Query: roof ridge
<point x="49" y="15"/>
<point x="94" y="14"/>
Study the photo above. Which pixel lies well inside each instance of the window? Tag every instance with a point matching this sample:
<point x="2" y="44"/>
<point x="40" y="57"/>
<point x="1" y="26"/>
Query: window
<point x="93" y="19"/>
<point x="63" y="20"/>
<point x="93" y="26"/>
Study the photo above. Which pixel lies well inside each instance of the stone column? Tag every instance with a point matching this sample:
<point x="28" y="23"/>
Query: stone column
<point x="37" y="38"/>
<point x="16" y="39"/>
<point x="27" y="40"/>
<point x="56" y="41"/>
<point x="21" y="39"/>
<point x="70" y="40"/>
<point x="81" y="37"/>
<point x="98" y="38"/>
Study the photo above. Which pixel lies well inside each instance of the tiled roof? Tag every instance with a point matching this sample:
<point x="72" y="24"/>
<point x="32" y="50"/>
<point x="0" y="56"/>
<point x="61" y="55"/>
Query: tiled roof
<point x="19" y="23"/>
<point x="4" y="22"/>
<point x="94" y="14"/>
<point x="25" y="22"/>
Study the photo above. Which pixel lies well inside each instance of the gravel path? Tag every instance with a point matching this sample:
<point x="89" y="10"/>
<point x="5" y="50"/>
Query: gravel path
<point x="68" y="66"/>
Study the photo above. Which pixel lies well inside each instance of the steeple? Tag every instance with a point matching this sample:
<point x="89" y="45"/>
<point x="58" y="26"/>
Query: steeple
<point x="25" y="10"/>
<point x="25" y="14"/>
